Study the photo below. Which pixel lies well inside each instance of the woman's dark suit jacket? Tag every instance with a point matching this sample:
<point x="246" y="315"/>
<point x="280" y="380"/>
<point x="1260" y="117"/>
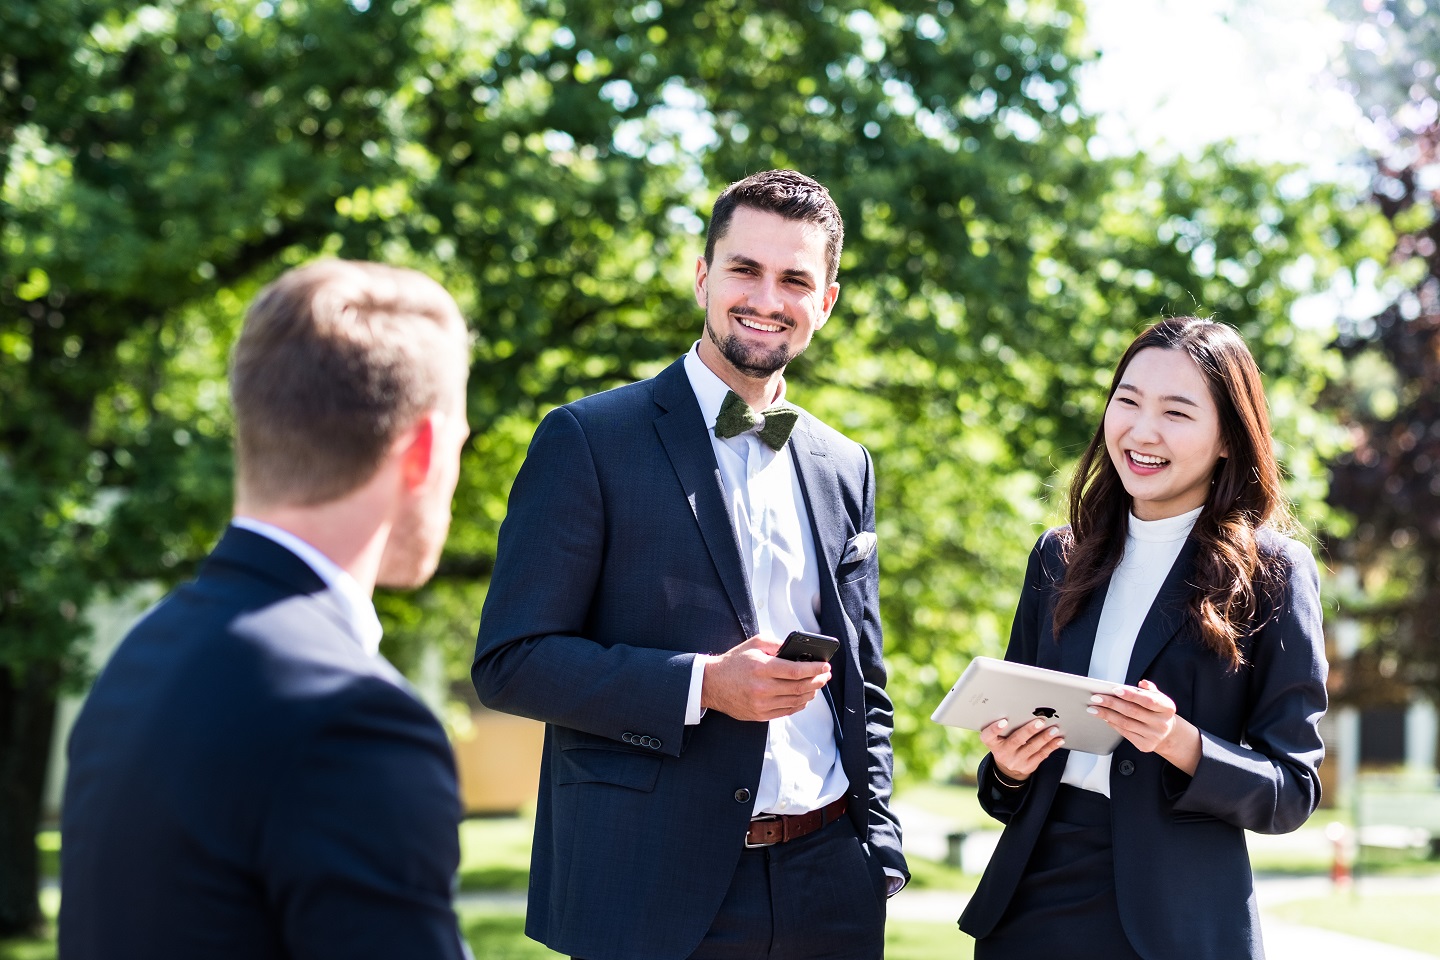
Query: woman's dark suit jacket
<point x="1182" y="871"/>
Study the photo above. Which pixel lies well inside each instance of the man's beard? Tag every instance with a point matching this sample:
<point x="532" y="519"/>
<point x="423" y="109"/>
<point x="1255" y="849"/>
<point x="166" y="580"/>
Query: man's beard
<point x="754" y="362"/>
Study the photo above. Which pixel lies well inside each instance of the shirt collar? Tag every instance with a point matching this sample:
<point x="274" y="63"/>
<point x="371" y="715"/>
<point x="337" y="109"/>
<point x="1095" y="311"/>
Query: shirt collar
<point x="1166" y="529"/>
<point x="359" y="607"/>
<point x="709" y="389"/>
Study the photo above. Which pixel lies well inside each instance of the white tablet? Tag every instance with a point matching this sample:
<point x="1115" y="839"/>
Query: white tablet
<point x="990" y="689"/>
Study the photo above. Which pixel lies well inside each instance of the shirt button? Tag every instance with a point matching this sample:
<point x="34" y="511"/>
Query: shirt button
<point x="1127" y="767"/>
<point x="742" y="795"/>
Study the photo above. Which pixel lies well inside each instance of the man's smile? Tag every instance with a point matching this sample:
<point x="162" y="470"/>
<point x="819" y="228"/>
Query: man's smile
<point x="751" y="322"/>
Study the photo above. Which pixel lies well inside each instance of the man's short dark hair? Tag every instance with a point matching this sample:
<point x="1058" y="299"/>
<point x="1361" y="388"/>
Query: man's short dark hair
<point x="793" y="196"/>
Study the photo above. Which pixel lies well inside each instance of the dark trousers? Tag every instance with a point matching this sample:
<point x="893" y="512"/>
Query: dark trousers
<point x="1065" y="905"/>
<point x="814" y="898"/>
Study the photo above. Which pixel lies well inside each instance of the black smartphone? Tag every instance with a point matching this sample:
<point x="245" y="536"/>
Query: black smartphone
<point x="814" y="647"/>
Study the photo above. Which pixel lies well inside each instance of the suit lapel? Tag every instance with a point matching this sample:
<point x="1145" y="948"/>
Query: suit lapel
<point x="820" y="488"/>
<point x="1166" y="616"/>
<point x="1077" y="639"/>
<point x="1162" y="622"/>
<point x="686" y="439"/>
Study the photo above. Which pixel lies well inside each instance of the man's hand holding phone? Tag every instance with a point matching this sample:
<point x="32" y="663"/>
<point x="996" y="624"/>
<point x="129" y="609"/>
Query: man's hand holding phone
<point x="761" y="679"/>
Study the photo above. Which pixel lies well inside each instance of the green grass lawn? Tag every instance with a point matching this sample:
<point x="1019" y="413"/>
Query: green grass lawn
<point x="917" y="940"/>
<point x="495" y="935"/>
<point x="929" y="875"/>
<point x="495" y="853"/>
<point x="1403" y="921"/>
<point x="42" y="949"/>
<point x="955" y="803"/>
<point x="1396" y="863"/>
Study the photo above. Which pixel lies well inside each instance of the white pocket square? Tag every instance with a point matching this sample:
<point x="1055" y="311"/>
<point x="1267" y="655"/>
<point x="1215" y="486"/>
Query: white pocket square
<point x="859" y="548"/>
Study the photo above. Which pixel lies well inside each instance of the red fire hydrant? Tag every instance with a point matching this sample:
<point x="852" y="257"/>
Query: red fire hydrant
<point x="1342" y="849"/>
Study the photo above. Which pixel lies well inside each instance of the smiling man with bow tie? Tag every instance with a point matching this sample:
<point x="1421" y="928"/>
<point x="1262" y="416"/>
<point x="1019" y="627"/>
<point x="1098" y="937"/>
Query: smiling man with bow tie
<point x="700" y="797"/>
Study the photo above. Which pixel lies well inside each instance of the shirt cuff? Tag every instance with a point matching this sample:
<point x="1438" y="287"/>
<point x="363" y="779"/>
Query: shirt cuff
<point x="693" y="712"/>
<point x="894" y="881"/>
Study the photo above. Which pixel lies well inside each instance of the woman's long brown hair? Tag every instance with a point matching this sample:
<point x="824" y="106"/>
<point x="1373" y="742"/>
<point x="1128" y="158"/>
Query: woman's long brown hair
<point x="1230" y="574"/>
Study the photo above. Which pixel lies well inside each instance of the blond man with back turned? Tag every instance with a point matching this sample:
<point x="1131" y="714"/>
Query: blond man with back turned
<point x="249" y="777"/>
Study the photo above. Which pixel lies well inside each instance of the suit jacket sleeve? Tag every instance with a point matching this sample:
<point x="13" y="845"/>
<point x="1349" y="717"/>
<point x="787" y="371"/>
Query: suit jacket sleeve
<point x="879" y="711"/>
<point x="532" y="657"/>
<point x="1270" y="782"/>
<point x="360" y="857"/>
<point x="1030" y="619"/>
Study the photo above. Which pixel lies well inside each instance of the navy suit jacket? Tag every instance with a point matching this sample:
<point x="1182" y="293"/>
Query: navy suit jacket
<point x="617" y="564"/>
<point x="1182" y="871"/>
<point x="245" y="781"/>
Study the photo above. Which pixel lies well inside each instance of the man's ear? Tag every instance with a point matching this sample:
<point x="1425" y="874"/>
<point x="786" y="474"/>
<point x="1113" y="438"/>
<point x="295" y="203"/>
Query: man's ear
<point x="827" y="303"/>
<point x="702" y="271"/>
<point x="416" y="451"/>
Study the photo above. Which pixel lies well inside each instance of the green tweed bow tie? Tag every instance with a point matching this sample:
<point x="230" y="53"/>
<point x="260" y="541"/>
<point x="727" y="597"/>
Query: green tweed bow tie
<point x="736" y="418"/>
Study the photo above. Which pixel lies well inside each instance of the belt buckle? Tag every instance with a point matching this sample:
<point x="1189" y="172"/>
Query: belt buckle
<point x="762" y="818"/>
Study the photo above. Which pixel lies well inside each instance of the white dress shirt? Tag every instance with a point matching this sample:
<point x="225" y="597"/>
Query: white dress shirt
<point x="1151" y="548"/>
<point x="802" y="770"/>
<point x="358" y="606"/>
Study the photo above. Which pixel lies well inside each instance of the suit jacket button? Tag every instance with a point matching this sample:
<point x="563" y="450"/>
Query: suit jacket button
<point x="1127" y="767"/>
<point x="742" y="795"/>
<point x="628" y="737"/>
<point x="654" y="744"/>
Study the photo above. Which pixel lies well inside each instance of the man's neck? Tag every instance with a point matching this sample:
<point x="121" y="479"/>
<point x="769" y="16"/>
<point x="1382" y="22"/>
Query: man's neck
<point x="350" y="537"/>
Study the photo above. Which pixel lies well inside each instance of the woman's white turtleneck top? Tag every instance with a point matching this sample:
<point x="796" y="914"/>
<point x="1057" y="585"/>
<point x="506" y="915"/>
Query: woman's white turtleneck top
<point x="1151" y="548"/>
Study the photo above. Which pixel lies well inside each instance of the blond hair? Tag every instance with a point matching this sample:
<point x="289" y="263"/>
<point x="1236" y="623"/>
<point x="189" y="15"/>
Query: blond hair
<point x="336" y="359"/>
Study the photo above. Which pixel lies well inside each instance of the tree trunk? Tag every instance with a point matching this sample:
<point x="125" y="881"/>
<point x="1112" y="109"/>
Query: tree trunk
<point x="27" y="722"/>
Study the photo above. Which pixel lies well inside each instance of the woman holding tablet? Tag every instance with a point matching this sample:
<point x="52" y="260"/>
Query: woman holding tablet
<point x="1174" y="580"/>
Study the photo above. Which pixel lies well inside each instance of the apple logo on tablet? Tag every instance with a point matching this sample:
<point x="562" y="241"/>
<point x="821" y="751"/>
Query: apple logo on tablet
<point x="1049" y="713"/>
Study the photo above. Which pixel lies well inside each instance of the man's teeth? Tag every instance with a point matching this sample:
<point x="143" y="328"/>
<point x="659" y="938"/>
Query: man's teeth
<point x="758" y="325"/>
<point x="1148" y="461"/>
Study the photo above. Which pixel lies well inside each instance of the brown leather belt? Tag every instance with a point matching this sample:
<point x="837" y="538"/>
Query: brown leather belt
<point x="771" y="828"/>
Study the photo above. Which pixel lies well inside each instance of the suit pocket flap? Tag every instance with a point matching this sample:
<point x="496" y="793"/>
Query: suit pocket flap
<point x="622" y="768"/>
<point x="852" y="571"/>
<point x="1193" y="816"/>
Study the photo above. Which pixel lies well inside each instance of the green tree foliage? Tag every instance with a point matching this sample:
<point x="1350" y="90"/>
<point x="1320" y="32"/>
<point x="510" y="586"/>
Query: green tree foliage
<point x="156" y="160"/>
<point x="1390" y="394"/>
<point x="993" y="269"/>
<point x="552" y="163"/>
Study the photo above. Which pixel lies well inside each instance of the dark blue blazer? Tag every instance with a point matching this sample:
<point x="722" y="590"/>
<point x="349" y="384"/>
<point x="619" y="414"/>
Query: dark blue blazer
<point x="617" y="564"/>
<point x="245" y="781"/>
<point x="1182" y="872"/>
